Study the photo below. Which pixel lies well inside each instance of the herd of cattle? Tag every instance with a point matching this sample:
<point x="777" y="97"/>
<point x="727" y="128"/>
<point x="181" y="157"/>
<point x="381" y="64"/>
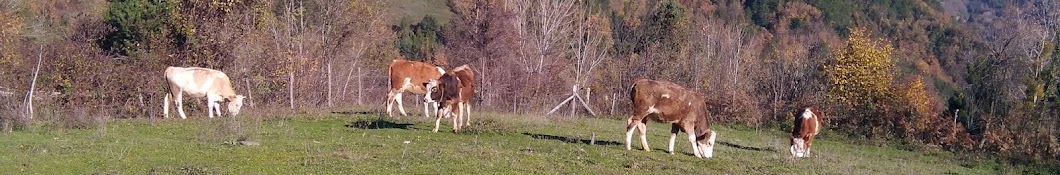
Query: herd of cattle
<point x="451" y="90"/>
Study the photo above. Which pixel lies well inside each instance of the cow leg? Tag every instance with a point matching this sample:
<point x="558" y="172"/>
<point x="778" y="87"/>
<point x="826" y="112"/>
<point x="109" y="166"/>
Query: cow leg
<point x="467" y="115"/>
<point x="643" y="135"/>
<point x="460" y="115"/>
<point x="434" y="105"/>
<point x="690" y="130"/>
<point x="401" y="106"/>
<point x="217" y="108"/>
<point x="179" y="101"/>
<point x="165" y="105"/>
<point x="629" y="134"/>
<point x="695" y="146"/>
<point x="809" y="142"/>
<point x="209" y="107"/>
<point x="632" y="124"/>
<point x="390" y="104"/>
<point x="437" y="122"/>
<point x="456" y="121"/>
<point x="673" y="137"/>
<point x="213" y="105"/>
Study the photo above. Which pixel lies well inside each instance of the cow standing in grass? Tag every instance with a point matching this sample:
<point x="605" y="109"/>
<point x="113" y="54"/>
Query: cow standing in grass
<point x="807" y="125"/>
<point x="454" y="90"/>
<point x="410" y="76"/>
<point x="671" y="103"/>
<point x="200" y="82"/>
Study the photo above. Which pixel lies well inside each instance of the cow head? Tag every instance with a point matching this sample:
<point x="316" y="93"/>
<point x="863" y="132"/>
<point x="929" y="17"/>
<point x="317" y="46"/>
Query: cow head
<point x="446" y="91"/>
<point x="433" y="91"/>
<point x="235" y="104"/>
<point x="798" y="147"/>
<point x="706" y="146"/>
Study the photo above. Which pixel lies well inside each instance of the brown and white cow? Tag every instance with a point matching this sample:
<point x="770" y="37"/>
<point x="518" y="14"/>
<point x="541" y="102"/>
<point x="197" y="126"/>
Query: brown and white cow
<point x="671" y="103"/>
<point x="807" y="125"/>
<point x="453" y="96"/>
<point x="410" y="76"/>
<point x="199" y="82"/>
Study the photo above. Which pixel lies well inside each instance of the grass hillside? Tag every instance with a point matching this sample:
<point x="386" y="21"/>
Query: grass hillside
<point x="359" y="143"/>
<point x="414" y="10"/>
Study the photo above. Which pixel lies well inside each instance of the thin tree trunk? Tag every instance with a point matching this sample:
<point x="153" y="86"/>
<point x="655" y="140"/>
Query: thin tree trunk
<point x="329" y="84"/>
<point x="290" y="89"/>
<point x="613" y="99"/>
<point x="33" y="84"/>
<point x="346" y="84"/>
<point x="360" y="86"/>
<point x="250" y="94"/>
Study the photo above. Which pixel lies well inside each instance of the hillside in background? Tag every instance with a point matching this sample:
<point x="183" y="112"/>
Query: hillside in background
<point x="969" y="77"/>
<point x="416" y="10"/>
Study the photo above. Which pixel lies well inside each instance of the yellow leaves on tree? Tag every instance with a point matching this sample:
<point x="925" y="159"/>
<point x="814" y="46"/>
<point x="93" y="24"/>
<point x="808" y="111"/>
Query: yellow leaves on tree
<point x="923" y="103"/>
<point x="861" y="71"/>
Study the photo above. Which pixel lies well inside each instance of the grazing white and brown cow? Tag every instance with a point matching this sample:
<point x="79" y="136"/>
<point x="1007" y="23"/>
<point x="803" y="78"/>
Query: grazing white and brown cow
<point x="807" y="125"/>
<point x="410" y="76"/>
<point x="671" y="103"/>
<point x="199" y="82"/>
<point x="454" y="90"/>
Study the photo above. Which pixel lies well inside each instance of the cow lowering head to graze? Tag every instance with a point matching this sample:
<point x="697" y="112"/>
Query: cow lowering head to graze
<point x="453" y="96"/>
<point x="807" y="125"/>
<point x="410" y="76"/>
<point x="200" y="82"/>
<point x="683" y="108"/>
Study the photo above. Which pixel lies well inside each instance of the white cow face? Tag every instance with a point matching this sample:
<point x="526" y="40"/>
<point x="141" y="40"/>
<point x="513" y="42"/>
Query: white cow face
<point x="798" y="148"/>
<point x="432" y="90"/>
<point x="706" y="147"/>
<point x="235" y="105"/>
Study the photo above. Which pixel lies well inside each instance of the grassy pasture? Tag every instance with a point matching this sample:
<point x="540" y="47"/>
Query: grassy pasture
<point x="496" y="143"/>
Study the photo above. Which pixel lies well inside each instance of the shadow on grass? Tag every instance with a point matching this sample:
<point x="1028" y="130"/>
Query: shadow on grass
<point x="377" y="124"/>
<point x="362" y="112"/>
<point x="746" y="147"/>
<point x="572" y="140"/>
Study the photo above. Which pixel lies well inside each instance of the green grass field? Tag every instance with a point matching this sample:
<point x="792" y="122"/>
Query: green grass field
<point x="496" y="143"/>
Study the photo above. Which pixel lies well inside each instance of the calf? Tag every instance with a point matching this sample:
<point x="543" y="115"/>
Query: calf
<point x="684" y="109"/>
<point x="410" y="76"/>
<point x="467" y="91"/>
<point x="453" y="90"/>
<point x="199" y="82"/>
<point x="807" y="125"/>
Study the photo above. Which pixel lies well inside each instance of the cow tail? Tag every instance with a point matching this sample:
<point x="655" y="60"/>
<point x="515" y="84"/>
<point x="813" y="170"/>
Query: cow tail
<point x="389" y="82"/>
<point x="632" y="92"/>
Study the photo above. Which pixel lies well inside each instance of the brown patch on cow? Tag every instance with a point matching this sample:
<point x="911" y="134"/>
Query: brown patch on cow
<point x="408" y="76"/>
<point x="670" y="103"/>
